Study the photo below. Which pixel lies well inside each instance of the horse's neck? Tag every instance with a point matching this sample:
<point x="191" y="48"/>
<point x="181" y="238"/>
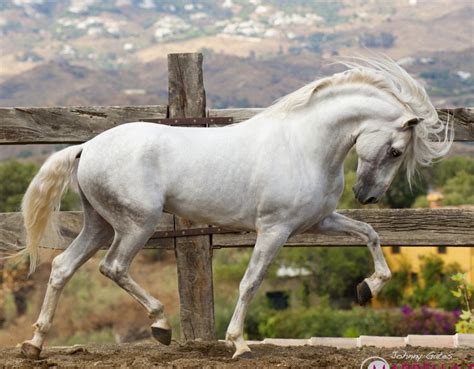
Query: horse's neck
<point x="323" y="138"/>
<point x="329" y="127"/>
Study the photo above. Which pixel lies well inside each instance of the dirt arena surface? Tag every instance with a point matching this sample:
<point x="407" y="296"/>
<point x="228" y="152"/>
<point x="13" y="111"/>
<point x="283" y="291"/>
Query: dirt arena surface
<point x="217" y="355"/>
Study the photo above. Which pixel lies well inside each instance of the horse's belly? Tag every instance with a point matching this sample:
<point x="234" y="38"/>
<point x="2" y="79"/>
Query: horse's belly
<point x="215" y="203"/>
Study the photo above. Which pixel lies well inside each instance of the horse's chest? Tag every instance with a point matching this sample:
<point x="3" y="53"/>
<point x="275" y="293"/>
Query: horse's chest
<point x="319" y="200"/>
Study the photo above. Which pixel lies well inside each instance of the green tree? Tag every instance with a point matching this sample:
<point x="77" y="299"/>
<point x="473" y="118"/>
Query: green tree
<point x="400" y="195"/>
<point x="459" y="190"/>
<point x="394" y="292"/>
<point x="335" y="271"/>
<point x="441" y="172"/>
<point x="435" y="284"/>
<point x="15" y="177"/>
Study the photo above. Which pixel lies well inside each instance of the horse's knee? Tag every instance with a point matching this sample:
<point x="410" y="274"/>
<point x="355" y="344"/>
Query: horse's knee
<point x="372" y="236"/>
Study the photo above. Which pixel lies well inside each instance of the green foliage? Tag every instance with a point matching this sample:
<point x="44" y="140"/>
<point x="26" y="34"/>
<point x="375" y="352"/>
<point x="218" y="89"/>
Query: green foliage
<point x="335" y="271"/>
<point x="464" y="291"/>
<point x="393" y="292"/>
<point x="444" y="170"/>
<point x="459" y="190"/>
<point x="400" y="195"/>
<point x="228" y="269"/>
<point x="70" y="201"/>
<point x="14" y="180"/>
<point x="229" y="265"/>
<point x="15" y="176"/>
<point x="454" y="177"/>
<point x="433" y="287"/>
<point x="322" y="321"/>
<point x="421" y="202"/>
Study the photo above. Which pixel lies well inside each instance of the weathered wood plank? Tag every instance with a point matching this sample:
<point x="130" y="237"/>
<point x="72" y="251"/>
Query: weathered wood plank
<point x="187" y="99"/>
<point x="12" y="234"/>
<point x="73" y="124"/>
<point x="79" y="124"/>
<point x="396" y="227"/>
<point x="462" y="118"/>
<point x="239" y="115"/>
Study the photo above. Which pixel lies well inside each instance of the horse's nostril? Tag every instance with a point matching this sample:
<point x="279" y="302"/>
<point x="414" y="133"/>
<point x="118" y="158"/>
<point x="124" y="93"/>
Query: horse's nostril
<point x="371" y="200"/>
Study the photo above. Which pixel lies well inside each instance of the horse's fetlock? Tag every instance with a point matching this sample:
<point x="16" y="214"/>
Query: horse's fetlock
<point x="41" y="327"/>
<point x="386" y="276"/>
<point x="231" y="336"/>
<point x="157" y="310"/>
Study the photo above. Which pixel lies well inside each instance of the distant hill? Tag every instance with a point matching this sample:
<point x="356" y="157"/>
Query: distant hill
<point x="230" y="81"/>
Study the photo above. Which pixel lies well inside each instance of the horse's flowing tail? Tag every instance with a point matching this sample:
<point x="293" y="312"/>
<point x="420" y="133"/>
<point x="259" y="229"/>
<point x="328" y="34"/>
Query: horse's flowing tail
<point x="43" y="198"/>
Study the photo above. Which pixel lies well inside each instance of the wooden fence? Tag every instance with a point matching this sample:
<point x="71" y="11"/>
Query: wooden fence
<point x="193" y="243"/>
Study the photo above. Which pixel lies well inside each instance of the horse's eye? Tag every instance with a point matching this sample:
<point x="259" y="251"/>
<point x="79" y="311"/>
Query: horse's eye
<point x="395" y="152"/>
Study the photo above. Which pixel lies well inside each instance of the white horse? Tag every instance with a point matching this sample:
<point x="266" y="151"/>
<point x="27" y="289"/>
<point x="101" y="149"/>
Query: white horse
<point x="279" y="173"/>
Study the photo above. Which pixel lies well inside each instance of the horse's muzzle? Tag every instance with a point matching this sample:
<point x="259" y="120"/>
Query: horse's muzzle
<point x="364" y="196"/>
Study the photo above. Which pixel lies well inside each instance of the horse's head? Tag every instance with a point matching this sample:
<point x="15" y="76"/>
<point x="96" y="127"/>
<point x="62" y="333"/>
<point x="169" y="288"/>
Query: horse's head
<point x="381" y="149"/>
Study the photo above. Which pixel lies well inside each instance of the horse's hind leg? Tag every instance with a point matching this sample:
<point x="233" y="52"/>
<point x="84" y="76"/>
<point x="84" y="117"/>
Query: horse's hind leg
<point x="129" y="239"/>
<point x="95" y="233"/>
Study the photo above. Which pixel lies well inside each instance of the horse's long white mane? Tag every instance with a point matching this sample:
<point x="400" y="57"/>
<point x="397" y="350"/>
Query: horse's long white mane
<point x="432" y="138"/>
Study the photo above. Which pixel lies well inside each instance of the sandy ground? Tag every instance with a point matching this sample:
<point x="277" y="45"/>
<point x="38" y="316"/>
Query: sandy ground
<point x="217" y="355"/>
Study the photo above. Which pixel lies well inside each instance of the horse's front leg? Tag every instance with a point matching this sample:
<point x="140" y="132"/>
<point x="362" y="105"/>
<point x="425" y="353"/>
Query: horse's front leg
<point x="266" y="248"/>
<point x="336" y="224"/>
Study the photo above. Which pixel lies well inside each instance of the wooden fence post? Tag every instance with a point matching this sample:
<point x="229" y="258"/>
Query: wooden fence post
<point x="187" y="99"/>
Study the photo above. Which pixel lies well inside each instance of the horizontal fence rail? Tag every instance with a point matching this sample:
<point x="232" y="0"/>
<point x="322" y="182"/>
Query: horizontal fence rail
<point x="396" y="227"/>
<point x="70" y="125"/>
<point x="78" y="124"/>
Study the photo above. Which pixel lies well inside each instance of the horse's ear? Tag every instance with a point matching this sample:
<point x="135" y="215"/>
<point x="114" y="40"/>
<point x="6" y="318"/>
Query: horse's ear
<point x="411" y="122"/>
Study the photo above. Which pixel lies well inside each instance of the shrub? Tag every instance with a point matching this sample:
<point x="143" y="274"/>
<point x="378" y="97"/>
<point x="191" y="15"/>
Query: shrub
<point x="327" y="322"/>
<point x="425" y="321"/>
<point x="465" y="293"/>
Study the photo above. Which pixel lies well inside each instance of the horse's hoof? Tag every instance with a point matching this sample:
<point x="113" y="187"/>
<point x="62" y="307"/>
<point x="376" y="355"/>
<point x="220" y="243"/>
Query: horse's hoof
<point x="30" y="351"/>
<point x="162" y="335"/>
<point x="363" y="293"/>
<point x="244" y="355"/>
